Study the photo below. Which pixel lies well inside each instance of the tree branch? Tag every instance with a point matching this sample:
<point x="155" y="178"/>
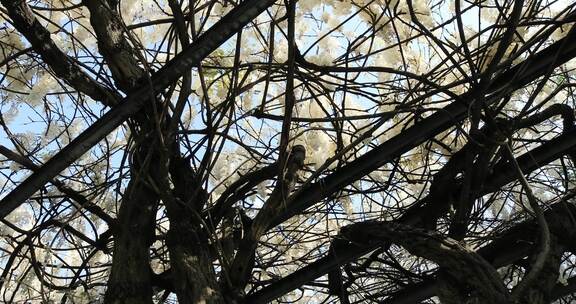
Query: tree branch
<point x="189" y="57"/>
<point x="514" y="78"/>
<point x="501" y="175"/>
<point x="62" y="65"/>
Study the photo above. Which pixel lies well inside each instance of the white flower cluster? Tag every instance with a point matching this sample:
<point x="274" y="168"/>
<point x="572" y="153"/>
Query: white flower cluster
<point x="43" y="85"/>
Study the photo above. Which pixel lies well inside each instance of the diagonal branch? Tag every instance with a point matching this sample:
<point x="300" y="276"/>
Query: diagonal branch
<point x="346" y="253"/>
<point x="112" y="44"/>
<point x="476" y="278"/>
<point x="82" y="200"/>
<point x="509" y="247"/>
<point x="188" y="58"/>
<point x="63" y="66"/>
<point x="516" y="77"/>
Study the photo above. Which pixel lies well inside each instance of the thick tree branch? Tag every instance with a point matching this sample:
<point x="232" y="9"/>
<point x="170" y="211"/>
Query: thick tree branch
<point x="476" y="278"/>
<point x="243" y="263"/>
<point x="113" y="46"/>
<point x="189" y="57"/>
<point x="71" y="193"/>
<point x="512" y="245"/>
<point x="62" y="65"/>
<point x="237" y="190"/>
<point x="501" y="175"/>
<point x="514" y="78"/>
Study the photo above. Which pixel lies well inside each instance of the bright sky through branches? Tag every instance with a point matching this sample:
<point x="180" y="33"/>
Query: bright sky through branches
<point x="193" y="184"/>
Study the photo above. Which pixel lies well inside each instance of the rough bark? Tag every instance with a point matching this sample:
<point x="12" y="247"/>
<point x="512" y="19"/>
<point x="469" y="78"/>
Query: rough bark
<point x="513" y="246"/>
<point x="114" y="46"/>
<point x="241" y="268"/>
<point x="193" y="276"/>
<point x="63" y="66"/>
<point x="416" y="215"/>
<point x="167" y="75"/>
<point x="471" y="279"/>
<point x="541" y="292"/>
<point x="130" y="276"/>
